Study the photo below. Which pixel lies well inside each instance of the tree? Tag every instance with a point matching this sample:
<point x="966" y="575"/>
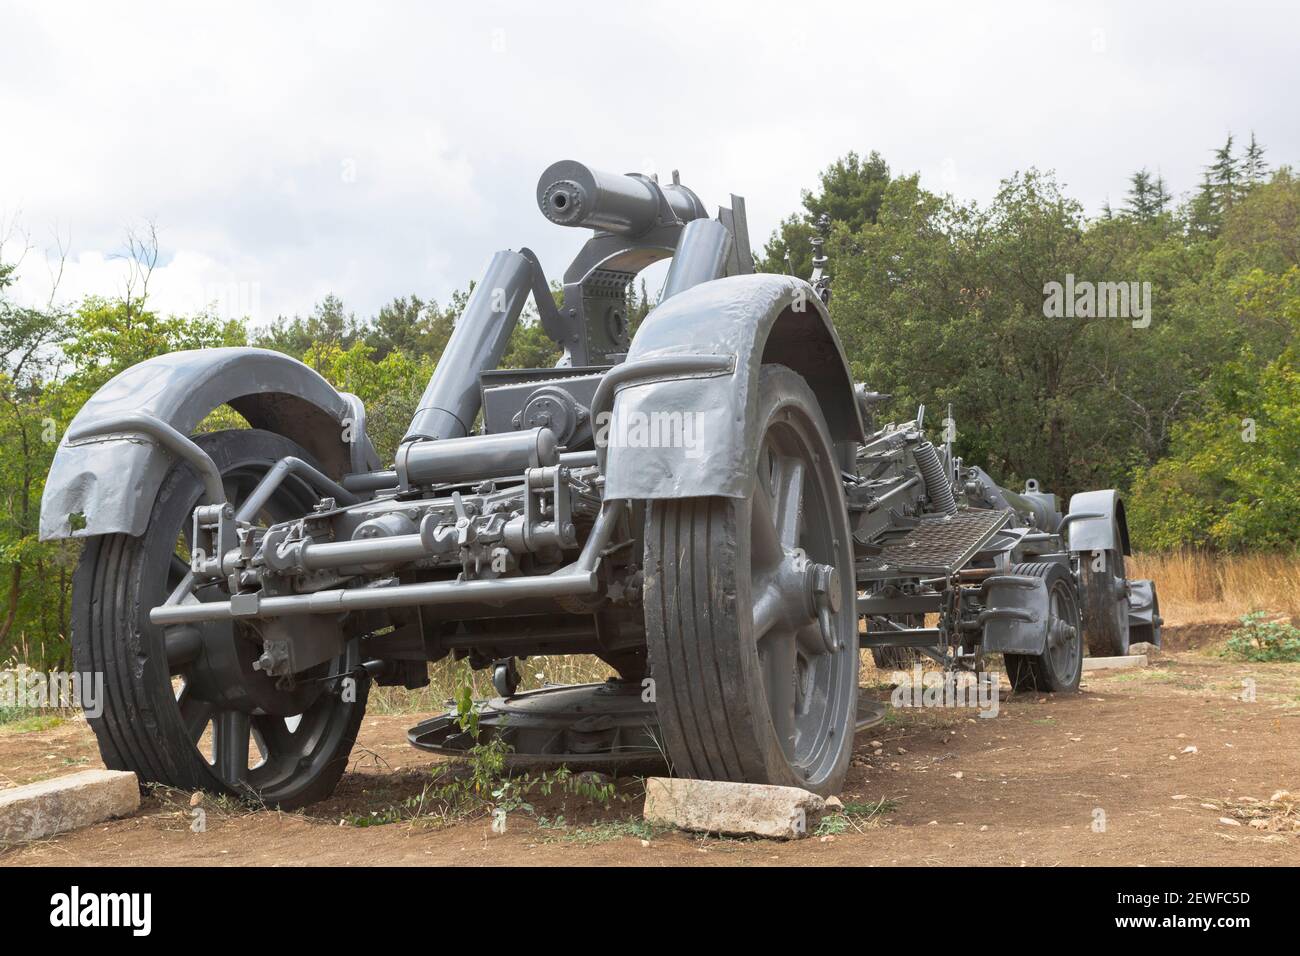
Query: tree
<point x="1140" y="202"/>
<point x="851" y="192"/>
<point x="1253" y="168"/>
<point x="1225" y="175"/>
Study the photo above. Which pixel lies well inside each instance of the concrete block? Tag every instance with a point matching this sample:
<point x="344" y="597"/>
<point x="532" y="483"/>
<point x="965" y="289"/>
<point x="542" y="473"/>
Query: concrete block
<point x="42" y="809"/>
<point x="735" y="809"/>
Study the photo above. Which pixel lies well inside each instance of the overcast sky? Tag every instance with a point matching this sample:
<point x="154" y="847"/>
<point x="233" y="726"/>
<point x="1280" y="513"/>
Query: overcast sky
<point x="379" y="149"/>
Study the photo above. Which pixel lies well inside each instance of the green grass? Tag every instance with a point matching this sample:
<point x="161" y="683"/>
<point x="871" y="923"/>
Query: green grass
<point x="558" y="831"/>
<point x="19" y="720"/>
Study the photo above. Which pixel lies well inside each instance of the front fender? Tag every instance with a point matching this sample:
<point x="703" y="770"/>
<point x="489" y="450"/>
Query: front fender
<point x="111" y="480"/>
<point x="1108" y="532"/>
<point x="753" y="320"/>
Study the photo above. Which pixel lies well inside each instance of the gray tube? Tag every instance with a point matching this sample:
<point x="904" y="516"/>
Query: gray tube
<point x="571" y="194"/>
<point x="275" y="477"/>
<point x="569" y="581"/>
<point x="701" y="256"/>
<point x="451" y="400"/>
<point x="477" y="457"/>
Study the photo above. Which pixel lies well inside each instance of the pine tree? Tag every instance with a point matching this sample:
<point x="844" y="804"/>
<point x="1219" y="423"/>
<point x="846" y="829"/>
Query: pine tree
<point x="1138" y="203"/>
<point x="1253" y="168"/>
<point x="1225" y="174"/>
<point x="1160" y="197"/>
<point x="1204" y="214"/>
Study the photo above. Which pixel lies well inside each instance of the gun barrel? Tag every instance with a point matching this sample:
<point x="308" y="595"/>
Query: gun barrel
<point x="572" y="194"/>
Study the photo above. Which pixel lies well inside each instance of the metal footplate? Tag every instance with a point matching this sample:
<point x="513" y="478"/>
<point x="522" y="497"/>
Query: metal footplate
<point x="937" y="546"/>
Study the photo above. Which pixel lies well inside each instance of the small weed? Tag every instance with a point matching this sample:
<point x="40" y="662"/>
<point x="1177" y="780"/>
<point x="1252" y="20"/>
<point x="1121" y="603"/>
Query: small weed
<point x="858" y="815"/>
<point x="480" y="784"/>
<point x="1261" y="639"/>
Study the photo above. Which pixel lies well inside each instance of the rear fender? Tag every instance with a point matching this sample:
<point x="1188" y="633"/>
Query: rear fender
<point x="110" y="481"/>
<point x="1108" y="531"/>
<point x="743" y="322"/>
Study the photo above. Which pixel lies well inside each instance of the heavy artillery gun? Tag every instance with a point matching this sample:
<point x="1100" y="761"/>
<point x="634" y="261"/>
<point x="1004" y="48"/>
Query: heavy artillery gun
<point x="699" y="505"/>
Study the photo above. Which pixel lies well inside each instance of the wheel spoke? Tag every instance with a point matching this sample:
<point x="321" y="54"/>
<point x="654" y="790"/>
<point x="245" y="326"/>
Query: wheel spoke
<point x="765" y="541"/>
<point x="780" y="678"/>
<point x="788" y="479"/>
<point x="230" y="745"/>
<point x="767" y="608"/>
<point x="196" y="714"/>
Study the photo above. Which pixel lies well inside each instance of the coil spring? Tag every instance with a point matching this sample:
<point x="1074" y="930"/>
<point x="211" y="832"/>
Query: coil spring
<point x="937" y="486"/>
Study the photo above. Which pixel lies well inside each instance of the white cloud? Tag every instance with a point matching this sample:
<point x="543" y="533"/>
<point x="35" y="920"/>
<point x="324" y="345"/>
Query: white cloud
<point x="373" y="150"/>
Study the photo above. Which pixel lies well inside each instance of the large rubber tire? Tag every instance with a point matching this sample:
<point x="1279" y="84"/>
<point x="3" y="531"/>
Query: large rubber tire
<point x="732" y="707"/>
<point x="1105" y="603"/>
<point x="142" y="728"/>
<point x="1060" y="667"/>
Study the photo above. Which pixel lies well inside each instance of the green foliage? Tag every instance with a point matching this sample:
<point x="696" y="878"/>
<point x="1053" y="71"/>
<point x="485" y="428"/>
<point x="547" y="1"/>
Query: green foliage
<point x="851" y="192"/>
<point x="1263" y="640"/>
<point x="1231" y="479"/>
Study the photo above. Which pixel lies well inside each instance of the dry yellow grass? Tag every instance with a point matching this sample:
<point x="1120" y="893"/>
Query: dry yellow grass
<point x="1193" y="588"/>
<point x="1196" y="587"/>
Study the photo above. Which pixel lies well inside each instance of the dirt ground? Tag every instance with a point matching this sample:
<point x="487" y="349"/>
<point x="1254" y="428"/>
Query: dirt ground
<point x="1163" y="755"/>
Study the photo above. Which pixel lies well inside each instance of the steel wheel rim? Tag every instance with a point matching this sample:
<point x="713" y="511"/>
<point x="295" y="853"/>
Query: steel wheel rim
<point x="805" y="682"/>
<point x="286" y="749"/>
<point x="1064" y="635"/>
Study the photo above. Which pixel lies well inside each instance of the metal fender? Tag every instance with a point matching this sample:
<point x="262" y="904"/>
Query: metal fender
<point x="110" y="480"/>
<point x="685" y="401"/>
<point x="1107" y="531"/>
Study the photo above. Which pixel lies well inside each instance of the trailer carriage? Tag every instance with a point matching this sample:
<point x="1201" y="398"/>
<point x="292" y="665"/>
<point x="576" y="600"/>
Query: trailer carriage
<point x="702" y="505"/>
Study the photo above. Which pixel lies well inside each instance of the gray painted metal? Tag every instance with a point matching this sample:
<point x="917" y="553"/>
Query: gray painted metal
<point x="751" y="319"/>
<point x="574" y="580"/>
<point x="1144" y="620"/>
<point x="276" y="476"/>
<point x="572" y="194"/>
<point x="525" y="398"/>
<point x="451" y="400"/>
<point x="112" y="479"/>
<point x="476" y="457"/>
<point x="1108" y="531"/>
<point x="213" y="491"/>
<point x="702" y="254"/>
<point x="1017" y="614"/>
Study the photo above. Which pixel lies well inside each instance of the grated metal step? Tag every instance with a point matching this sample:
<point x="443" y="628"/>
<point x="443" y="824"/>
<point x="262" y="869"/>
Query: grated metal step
<point x="939" y="545"/>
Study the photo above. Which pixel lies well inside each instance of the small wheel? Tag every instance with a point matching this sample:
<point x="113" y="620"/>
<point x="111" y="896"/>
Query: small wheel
<point x="751" y="627"/>
<point x="185" y="707"/>
<point x="896" y="658"/>
<point x="505" y="677"/>
<point x="900" y="658"/>
<point x="1105" y="603"/>
<point x="1059" y="668"/>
